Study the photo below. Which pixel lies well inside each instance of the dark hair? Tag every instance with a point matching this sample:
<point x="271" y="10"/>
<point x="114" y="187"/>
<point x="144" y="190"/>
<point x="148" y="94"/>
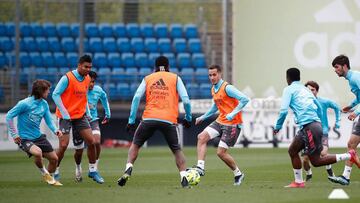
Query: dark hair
<point x="217" y="67"/>
<point x="341" y="60"/>
<point x="161" y="64"/>
<point x="85" y="58"/>
<point x="93" y="75"/>
<point x="293" y="74"/>
<point x="39" y="87"/>
<point x="312" y="84"/>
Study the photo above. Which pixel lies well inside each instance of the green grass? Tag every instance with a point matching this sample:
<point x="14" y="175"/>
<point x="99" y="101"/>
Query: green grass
<point x="156" y="179"/>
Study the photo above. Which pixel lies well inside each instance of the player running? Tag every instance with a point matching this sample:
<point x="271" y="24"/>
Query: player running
<point x="70" y="97"/>
<point x="29" y="113"/>
<point x="94" y="94"/>
<point x="341" y="66"/>
<point x="307" y="111"/>
<point x="229" y="101"/>
<point x="162" y="90"/>
<point x="325" y="105"/>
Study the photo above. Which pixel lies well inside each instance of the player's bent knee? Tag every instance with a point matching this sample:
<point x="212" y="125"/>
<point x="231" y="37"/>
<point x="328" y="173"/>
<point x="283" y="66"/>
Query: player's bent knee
<point x="291" y="152"/>
<point x="203" y="137"/>
<point x="220" y="152"/>
<point x="62" y="148"/>
<point x="35" y="151"/>
<point x="316" y="163"/>
<point x="37" y="154"/>
<point x="351" y="145"/>
<point x="63" y="145"/>
<point x="91" y="142"/>
<point x="53" y="159"/>
<point x="315" y="160"/>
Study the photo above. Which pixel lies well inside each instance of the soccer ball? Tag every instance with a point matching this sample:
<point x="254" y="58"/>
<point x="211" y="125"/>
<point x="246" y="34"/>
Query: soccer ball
<point x="192" y="176"/>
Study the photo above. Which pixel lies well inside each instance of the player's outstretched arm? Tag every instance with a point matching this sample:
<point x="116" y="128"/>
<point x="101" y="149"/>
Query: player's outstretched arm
<point x="213" y="109"/>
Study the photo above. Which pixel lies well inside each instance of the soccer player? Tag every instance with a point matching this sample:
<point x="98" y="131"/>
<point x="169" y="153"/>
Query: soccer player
<point x="94" y="94"/>
<point x="229" y="101"/>
<point x="70" y="97"/>
<point x="162" y="90"/>
<point x="325" y="105"/>
<point x="307" y="111"/>
<point x="341" y="66"/>
<point x="29" y="113"/>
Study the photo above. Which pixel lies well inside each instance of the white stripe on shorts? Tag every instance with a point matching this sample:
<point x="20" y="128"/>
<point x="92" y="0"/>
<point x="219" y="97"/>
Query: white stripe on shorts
<point x="212" y="132"/>
<point x="80" y="146"/>
<point x="223" y="145"/>
<point x="96" y="132"/>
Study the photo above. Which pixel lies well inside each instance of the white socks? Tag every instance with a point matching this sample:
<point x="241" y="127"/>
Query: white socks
<point x="347" y="172"/>
<point x="342" y="157"/>
<point x="182" y="174"/>
<point x="309" y="172"/>
<point x="237" y="171"/>
<point x="78" y="168"/>
<point x="43" y="170"/>
<point x="201" y="164"/>
<point x="298" y="175"/>
<point x="92" y="167"/>
<point x="97" y="163"/>
<point x="128" y="165"/>
<point x="57" y="170"/>
<point x="328" y="167"/>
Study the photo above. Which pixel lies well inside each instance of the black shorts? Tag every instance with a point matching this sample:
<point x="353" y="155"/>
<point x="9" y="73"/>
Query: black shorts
<point x="229" y="133"/>
<point x="147" y="128"/>
<point x="78" y="141"/>
<point x="76" y="125"/>
<point x="311" y="138"/>
<point x="324" y="142"/>
<point x="40" y="142"/>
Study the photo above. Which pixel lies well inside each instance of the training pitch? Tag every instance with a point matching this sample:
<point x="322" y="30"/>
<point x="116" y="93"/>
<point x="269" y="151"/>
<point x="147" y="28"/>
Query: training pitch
<point x="156" y="179"/>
